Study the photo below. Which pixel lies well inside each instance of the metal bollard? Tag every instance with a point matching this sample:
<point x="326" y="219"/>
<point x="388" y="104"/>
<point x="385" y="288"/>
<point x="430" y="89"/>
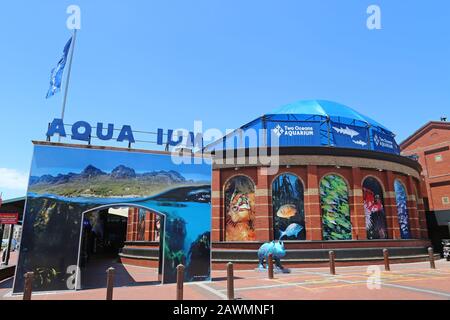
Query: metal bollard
<point x="180" y="281"/>
<point x="230" y="281"/>
<point x="431" y="256"/>
<point x="332" y="262"/>
<point x="28" y="287"/>
<point x="270" y="266"/>
<point x="109" y="283"/>
<point x="386" y="260"/>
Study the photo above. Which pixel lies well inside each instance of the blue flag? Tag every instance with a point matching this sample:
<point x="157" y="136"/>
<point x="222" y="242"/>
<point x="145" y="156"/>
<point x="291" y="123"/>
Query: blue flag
<point x="57" y="72"/>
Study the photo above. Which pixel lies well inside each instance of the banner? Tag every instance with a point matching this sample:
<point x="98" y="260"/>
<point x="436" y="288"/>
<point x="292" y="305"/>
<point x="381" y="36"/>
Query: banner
<point x="295" y="133"/>
<point x="348" y="136"/>
<point x="385" y="143"/>
<point x="69" y="183"/>
<point x="9" y="218"/>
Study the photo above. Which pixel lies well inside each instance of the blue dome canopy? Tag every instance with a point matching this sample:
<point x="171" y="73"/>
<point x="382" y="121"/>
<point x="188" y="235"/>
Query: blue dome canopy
<point x="309" y="123"/>
<point x="324" y="108"/>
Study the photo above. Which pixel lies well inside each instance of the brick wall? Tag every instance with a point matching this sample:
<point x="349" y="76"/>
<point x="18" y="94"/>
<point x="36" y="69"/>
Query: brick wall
<point x="310" y="176"/>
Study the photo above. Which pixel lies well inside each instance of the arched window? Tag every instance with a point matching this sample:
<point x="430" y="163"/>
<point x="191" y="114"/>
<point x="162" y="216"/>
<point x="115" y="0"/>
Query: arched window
<point x="336" y="224"/>
<point x="401" y="199"/>
<point x="376" y="225"/>
<point x="240" y="209"/>
<point x="288" y="208"/>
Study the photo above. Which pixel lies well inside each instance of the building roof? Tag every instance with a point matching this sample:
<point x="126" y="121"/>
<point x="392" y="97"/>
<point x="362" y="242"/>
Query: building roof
<point x="424" y="129"/>
<point x="327" y="109"/>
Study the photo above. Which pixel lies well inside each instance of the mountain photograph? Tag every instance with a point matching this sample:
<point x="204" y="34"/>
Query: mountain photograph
<point x="122" y="181"/>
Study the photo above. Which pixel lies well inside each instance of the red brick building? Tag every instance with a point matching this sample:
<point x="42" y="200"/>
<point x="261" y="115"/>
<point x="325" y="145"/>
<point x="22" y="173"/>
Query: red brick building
<point x="340" y="184"/>
<point x="431" y="146"/>
<point x="255" y="212"/>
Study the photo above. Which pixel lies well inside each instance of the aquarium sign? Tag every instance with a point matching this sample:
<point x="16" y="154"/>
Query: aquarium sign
<point x="82" y="130"/>
<point x="384" y="142"/>
<point x="9" y="218"/>
<point x="180" y="138"/>
<point x="295" y="133"/>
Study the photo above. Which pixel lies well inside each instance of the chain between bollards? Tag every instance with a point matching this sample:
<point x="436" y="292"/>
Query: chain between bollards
<point x="28" y="287"/>
<point x="431" y="257"/>
<point x="230" y="281"/>
<point x="109" y="283"/>
<point x="180" y="281"/>
<point x="332" y="262"/>
<point x="270" y="266"/>
<point x="386" y="260"/>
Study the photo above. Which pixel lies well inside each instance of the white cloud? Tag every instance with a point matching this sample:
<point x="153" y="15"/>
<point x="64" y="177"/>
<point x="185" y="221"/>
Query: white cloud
<point x="13" y="179"/>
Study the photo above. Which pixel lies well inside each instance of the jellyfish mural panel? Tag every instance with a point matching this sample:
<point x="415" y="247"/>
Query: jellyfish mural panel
<point x="336" y="224"/>
<point x="288" y="208"/>
<point x="66" y="182"/>
<point x="376" y="225"/>
<point x="240" y="209"/>
<point x="401" y="199"/>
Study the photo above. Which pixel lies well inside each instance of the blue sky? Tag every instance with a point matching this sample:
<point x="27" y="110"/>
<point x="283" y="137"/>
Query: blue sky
<point x="164" y="64"/>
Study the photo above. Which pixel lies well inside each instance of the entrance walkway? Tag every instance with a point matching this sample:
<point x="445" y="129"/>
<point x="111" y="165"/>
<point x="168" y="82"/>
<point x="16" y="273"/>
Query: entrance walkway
<point x="405" y="282"/>
<point x="94" y="275"/>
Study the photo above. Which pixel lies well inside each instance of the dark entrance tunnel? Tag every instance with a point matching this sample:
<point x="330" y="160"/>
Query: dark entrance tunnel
<point x="122" y="238"/>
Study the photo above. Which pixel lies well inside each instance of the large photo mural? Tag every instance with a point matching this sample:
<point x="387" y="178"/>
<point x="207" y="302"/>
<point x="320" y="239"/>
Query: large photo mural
<point x="376" y="225"/>
<point x="66" y="181"/>
<point x="336" y="224"/>
<point x="240" y="209"/>
<point x="401" y="199"/>
<point x="288" y="208"/>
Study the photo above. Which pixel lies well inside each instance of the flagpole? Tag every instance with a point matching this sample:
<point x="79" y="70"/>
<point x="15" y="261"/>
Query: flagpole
<point x="72" y="48"/>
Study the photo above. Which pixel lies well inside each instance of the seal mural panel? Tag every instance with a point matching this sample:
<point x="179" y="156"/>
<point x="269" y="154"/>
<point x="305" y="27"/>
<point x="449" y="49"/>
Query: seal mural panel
<point x="240" y="209"/>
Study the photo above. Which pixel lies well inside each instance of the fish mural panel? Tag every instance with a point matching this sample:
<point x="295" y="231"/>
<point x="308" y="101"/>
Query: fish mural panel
<point x="288" y="208"/>
<point x="240" y="209"/>
<point x="376" y="225"/>
<point x="336" y="224"/>
<point x="401" y="199"/>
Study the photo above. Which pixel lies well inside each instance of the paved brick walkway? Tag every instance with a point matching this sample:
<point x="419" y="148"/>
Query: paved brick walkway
<point x="405" y="281"/>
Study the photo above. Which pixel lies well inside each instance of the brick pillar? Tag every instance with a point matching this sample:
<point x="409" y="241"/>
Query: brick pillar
<point x="130" y="224"/>
<point x="313" y="212"/>
<point x="217" y="216"/>
<point x="421" y="212"/>
<point x="391" y="207"/>
<point x="412" y="209"/>
<point x="263" y="200"/>
<point x="148" y="223"/>
<point x="357" y="208"/>
<point x="135" y="222"/>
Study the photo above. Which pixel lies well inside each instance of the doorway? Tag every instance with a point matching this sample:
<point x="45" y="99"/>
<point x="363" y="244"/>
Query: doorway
<point x="127" y="238"/>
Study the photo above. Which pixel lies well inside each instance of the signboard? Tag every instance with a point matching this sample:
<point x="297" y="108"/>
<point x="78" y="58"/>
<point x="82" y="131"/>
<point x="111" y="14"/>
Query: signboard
<point x="68" y="183"/>
<point x="9" y="218"/>
<point x="385" y="143"/>
<point x="295" y="133"/>
<point x="349" y="136"/>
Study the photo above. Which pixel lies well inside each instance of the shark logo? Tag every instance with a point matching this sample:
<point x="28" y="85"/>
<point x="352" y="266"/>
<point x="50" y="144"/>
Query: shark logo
<point x="347" y="131"/>
<point x="360" y="142"/>
<point x="278" y="130"/>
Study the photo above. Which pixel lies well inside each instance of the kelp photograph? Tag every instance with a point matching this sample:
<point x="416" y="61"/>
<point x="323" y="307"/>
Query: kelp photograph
<point x="288" y="208"/>
<point x="335" y="208"/>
